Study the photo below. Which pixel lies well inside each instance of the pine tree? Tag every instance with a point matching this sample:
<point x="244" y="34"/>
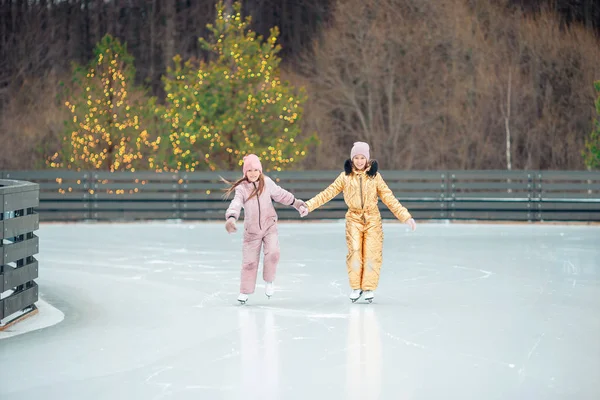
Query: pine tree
<point x="591" y="153"/>
<point x="235" y="103"/>
<point x="106" y="130"/>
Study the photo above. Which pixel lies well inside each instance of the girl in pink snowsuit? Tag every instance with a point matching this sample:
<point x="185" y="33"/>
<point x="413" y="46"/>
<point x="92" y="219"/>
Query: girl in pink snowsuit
<point x="255" y="192"/>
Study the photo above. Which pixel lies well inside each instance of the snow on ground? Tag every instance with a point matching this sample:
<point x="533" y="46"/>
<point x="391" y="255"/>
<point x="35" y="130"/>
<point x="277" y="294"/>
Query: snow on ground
<point x="46" y="316"/>
<point x="465" y="311"/>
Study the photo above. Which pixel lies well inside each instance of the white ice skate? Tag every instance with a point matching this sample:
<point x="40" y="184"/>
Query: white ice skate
<point x="355" y="294"/>
<point x="243" y="298"/>
<point x="369" y="295"/>
<point x="269" y="289"/>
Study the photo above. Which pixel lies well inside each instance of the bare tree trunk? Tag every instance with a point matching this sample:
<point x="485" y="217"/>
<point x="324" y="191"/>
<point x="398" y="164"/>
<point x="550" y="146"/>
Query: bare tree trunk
<point x="133" y="31"/>
<point x="170" y="32"/>
<point x="14" y="15"/>
<point x="3" y="28"/>
<point x="228" y="7"/>
<point x="87" y="49"/>
<point x="506" y="113"/>
<point x="99" y="21"/>
<point x="152" y="71"/>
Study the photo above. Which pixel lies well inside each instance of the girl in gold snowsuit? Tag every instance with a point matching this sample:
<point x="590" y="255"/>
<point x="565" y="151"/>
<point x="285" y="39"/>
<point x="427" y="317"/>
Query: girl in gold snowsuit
<point x="362" y="185"/>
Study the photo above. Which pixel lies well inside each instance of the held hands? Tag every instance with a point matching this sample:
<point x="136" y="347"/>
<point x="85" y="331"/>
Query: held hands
<point x="230" y="225"/>
<point x="303" y="211"/>
<point x="301" y="207"/>
<point x="413" y="225"/>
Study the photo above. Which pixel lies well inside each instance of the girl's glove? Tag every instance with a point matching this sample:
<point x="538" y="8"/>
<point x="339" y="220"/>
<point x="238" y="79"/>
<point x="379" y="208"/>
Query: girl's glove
<point x="413" y="225"/>
<point x="298" y="203"/>
<point x="301" y="207"/>
<point x="230" y="225"/>
<point x="303" y="211"/>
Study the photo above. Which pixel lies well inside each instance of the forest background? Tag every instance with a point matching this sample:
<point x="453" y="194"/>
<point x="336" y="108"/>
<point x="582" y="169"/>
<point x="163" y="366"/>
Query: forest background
<point x="430" y="84"/>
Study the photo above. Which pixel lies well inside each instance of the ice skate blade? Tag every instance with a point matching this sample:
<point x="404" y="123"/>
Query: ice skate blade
<point x="242" y="302"/>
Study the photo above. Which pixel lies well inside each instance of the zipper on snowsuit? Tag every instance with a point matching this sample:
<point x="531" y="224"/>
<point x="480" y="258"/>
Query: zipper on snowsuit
<point x="362" y="200"/>
<point x="257" y="199"/>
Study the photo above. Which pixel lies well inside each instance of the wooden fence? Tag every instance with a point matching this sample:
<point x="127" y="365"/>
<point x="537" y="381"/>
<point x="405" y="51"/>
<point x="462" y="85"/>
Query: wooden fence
<point x="448" y="195"/>
<point x="18" y="245"/>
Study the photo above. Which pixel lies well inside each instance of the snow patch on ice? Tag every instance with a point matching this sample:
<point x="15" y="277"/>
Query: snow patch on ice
<point x="46" y="316"/>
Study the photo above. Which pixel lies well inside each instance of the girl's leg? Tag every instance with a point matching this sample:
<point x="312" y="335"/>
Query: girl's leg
<point x="251" y="257"/>
<point x="373" y="254"/>
<point x="354" y="258"/>
<point x="271" y="251"/>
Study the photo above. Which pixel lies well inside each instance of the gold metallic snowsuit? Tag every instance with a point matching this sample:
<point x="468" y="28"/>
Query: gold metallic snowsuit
<point x="364" y="232"/>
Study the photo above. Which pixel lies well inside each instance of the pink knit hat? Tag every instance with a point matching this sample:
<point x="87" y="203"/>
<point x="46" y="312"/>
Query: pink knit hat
<point x="360" y="148"/>
<point x="251" y="161"/>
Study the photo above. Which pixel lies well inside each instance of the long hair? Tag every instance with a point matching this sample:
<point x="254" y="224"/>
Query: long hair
<point x="232" y="185"/>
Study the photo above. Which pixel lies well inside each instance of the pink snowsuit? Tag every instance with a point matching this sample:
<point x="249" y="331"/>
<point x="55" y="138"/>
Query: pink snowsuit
<point x="260" y="227"/>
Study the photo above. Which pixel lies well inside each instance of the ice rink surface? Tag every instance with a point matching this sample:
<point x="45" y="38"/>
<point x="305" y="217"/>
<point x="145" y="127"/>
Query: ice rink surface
<point x="463" y="311"/>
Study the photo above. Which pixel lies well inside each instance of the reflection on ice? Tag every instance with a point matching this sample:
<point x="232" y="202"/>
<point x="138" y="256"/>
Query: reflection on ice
<point x="364" y="354"/>
<point x="259" y="355"/>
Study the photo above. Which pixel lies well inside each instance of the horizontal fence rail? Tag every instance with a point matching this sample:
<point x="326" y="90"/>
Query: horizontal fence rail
<point x="18" y="245"/>
<point x="452" y="195"/>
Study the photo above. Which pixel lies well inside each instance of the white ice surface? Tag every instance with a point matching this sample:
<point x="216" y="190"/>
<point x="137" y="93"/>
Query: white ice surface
<point x="467" y="311"/>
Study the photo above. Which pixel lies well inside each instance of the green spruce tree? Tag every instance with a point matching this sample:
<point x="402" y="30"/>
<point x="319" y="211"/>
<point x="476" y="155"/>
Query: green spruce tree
<point x="235" y="103"/>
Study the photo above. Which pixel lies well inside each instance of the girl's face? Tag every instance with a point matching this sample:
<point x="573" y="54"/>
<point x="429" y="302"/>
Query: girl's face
<point x="253" y="175"/>
<point x="359" y="161"/>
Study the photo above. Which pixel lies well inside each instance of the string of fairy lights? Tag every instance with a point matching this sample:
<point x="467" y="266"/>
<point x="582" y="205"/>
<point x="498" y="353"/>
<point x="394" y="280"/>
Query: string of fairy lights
<point x="107" y="132"/>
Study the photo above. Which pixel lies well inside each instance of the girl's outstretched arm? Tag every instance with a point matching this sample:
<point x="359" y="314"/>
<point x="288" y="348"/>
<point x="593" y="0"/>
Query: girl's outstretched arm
<point x="278" y="193"/>
<point x="235" y="207"/>
<point x="388" y="198"/>
<point x="326" y="195"/>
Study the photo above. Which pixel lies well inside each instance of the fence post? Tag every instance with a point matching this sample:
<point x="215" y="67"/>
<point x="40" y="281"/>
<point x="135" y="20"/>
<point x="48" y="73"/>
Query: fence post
<point x="537" y="194"/>
<point x="450" y="193"/>
<point x="92" y="178"/>
<point x="444" y="195"/>
<point x="179" y="195"/>
<point x="530" y="194"/>
<point x="88" y="198"/>
<point x="18" y="245"/>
